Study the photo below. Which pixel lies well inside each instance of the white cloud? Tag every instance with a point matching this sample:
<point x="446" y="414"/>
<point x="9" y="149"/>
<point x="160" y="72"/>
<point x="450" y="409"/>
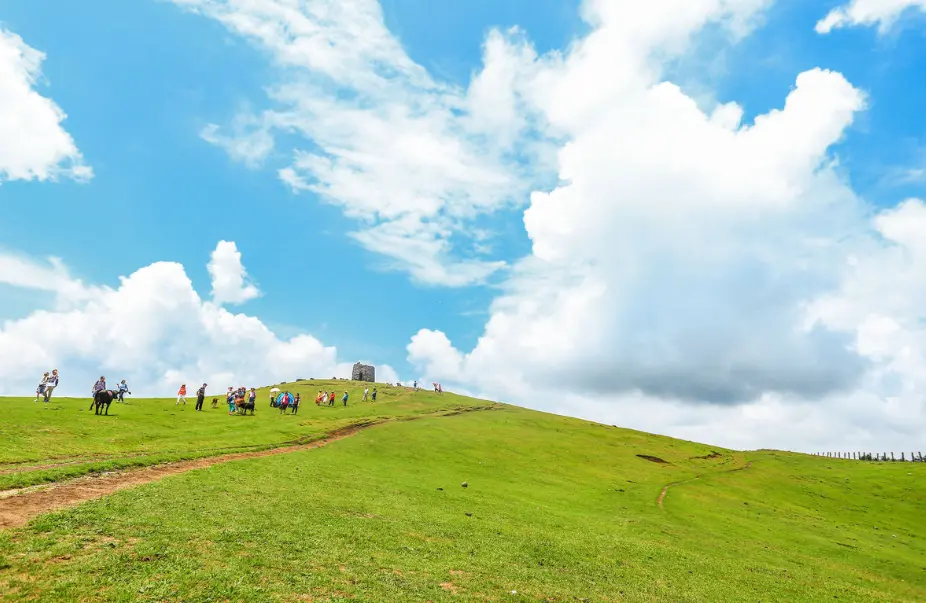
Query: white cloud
<point x="153" y="330"/>
<point x="883" y="13"/>
<point x="250" y="144"/>
<point x="412" y="160"/>
<point x="689" y="275"/>
<point x="690" y="272"/>
<point x="230" y="281"/>
<point x="33" y="145"/>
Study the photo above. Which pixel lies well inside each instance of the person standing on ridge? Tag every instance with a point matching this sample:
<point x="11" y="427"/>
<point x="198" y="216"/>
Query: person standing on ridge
<point x="181" y="395"/>
<point x="123" y="390"/>
<point x="40" y="390"/>
<point x="51" y="385"/>
<point x="200" y="397"/>
<point x="344" y="399"/>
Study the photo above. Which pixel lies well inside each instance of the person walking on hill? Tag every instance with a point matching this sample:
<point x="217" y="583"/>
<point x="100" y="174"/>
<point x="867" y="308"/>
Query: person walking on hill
<point x="123" y="390"/>
<point x="374" y="394"/>
<point x="296" y="401"/>
<point x="318" y="398"/>
<point x="51" y="384"/>
<point x="344" y="399"/>
<point x="181" y="395"/>
<point x="200" y="397"/>
<point x="99" y="386"/>
<point x="366" y="392"/>
<point x="40" y="390"/>
<point x="252" y="399"/>
<point x="230" y="400"/>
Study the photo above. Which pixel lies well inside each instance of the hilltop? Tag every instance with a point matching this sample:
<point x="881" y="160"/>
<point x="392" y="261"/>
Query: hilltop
<point x="554" y="508"/>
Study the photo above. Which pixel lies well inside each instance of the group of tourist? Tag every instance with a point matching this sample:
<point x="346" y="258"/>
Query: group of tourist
<point x="237" y="399"/>
<point x="121" y="390"/>
<point x="325" y="398"/>
<point x="286" y="401"/>
<point x="47" y="385"/>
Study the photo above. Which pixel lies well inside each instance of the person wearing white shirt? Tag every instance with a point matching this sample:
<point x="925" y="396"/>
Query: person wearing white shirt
<point x="51" y="384"/>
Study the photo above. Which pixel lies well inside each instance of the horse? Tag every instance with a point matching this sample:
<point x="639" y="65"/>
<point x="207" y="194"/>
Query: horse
<point x="101" y="398"/>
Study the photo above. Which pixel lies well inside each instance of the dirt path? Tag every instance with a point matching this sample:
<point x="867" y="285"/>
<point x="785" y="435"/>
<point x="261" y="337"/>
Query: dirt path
<point x="17" y="507"/>
<point x="665" y="489"/>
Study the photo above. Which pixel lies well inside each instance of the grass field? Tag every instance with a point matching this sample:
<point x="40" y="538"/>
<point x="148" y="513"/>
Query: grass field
<point x="556" y="509"/>
<point x="49" y="442"/>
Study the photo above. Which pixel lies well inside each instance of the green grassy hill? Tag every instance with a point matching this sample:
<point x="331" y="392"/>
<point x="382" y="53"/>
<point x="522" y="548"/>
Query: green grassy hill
<point x="555" y="509"/>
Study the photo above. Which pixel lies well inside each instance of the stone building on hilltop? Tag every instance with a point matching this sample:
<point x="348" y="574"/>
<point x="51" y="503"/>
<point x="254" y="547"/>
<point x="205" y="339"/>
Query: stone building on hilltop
<point x="363" y="372"/>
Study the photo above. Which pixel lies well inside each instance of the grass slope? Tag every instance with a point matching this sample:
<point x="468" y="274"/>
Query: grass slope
<point x="557" y="509"/>
<point x="63" y="439"/>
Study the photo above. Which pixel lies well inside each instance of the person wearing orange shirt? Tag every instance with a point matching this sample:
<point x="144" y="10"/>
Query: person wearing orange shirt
<point x="181" y="395"/>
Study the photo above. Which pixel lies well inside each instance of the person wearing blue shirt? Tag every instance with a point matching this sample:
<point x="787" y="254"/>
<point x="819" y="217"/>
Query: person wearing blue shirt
<point x="123" y="390"/>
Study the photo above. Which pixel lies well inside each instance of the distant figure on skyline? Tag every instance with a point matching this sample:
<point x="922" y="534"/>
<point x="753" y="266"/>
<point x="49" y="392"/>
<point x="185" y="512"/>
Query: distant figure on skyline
<point x="123" y="390"/>
<point x="99" y="386"/>
<point x="51" y="384"/>
<point x="200" y="397"/>
<point x="40" y="390"/>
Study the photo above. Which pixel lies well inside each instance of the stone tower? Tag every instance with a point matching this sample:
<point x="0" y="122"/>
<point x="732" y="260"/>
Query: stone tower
<point x="363" y="372"/>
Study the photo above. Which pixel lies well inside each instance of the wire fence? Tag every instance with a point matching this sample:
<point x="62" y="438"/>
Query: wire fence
<point x="881" y="457"/>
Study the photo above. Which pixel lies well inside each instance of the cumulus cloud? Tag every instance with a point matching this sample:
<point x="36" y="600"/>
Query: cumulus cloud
<point x="693" y="274"/>
<point x="883" y="13"/>
<point x="33" y="145"/>
<point x="153" y="330"/>
<point x="230" y="281"/>
<point x="414" y="161"/>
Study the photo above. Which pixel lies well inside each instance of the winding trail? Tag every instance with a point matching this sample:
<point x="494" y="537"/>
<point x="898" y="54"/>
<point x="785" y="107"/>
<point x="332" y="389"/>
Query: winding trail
<point x="19" y="506"/>
<point x="665" y="489"/>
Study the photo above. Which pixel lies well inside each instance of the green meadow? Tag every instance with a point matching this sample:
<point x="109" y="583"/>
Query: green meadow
<point x="554" y="509"/>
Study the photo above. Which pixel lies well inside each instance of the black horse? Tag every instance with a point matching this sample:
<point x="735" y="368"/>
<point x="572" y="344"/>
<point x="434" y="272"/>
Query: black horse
<point x="101" y="398"/>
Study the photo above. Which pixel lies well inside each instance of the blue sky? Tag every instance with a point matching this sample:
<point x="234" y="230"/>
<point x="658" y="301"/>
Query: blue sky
<point x="140" y="81"/>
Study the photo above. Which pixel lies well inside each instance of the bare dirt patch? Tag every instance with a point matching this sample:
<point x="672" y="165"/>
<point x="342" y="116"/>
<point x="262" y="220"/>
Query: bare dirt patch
<point x="449" y="587"/>
<point x="712" y="455"/>
<point x="654" y="459"/>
